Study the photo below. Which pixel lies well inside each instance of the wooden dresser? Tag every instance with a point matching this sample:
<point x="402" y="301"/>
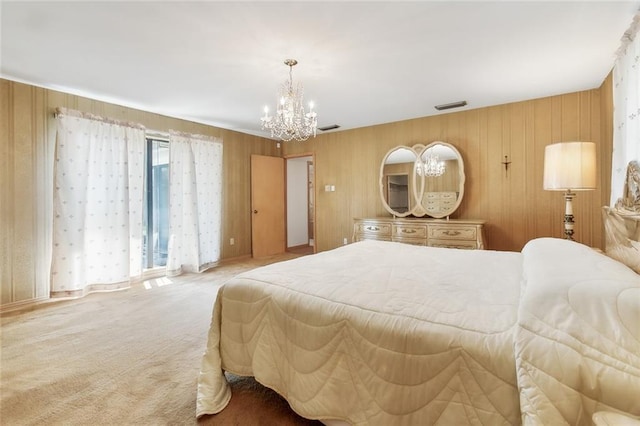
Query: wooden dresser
<point x="464" y="234"/>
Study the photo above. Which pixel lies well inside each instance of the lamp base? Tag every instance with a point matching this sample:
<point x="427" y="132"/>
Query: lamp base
<point x="568" y="215"/>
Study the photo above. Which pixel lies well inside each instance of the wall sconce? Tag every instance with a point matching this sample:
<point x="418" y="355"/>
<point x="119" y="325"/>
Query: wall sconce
<point x="570" y="166"/>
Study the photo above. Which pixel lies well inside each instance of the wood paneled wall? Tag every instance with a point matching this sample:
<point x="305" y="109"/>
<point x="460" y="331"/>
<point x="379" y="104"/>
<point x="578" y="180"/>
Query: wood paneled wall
<point x="512" y="201"/>
<point x="27" y="132"/>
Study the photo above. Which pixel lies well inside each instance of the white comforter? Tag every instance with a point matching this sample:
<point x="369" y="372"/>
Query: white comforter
<point x="578" y="338"/>
<point x="385" y="333"/>
<point x="374" y="333"/>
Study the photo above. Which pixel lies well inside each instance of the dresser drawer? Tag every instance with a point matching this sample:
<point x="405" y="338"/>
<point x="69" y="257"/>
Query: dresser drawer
<point x="362" y="237"/>
<point x="449" y="196"/>
<point x="444" y="232"/>
<point x="463" y="234"/>
<point x="432" y="195"/>
<point x="459" y="244"/>
<point x="414" y="241"/>
<point x="374" y="229"/>
<point x="441" y="196"/>
<point x="409" y="231"/>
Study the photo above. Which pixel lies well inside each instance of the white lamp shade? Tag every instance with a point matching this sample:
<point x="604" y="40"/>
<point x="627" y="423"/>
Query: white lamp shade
<point x="570" y="166"/>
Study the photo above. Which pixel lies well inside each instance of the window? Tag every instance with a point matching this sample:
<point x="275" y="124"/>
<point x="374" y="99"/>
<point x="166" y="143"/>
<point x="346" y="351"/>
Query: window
<point x="156" y="211"/>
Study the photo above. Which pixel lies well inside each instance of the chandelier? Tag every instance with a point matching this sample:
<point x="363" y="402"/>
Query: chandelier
<point x="291" y="121"/>
<point x="432" y="166"/>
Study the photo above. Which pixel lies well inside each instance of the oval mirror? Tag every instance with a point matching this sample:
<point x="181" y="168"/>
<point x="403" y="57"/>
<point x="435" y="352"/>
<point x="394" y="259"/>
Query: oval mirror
<point x="441" y="170"/>
<point x="396" y="187"/>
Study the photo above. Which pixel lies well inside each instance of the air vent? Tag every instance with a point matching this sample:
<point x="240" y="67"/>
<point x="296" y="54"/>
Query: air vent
<point x="451" y="105"/>
<point x="330" y="127"/>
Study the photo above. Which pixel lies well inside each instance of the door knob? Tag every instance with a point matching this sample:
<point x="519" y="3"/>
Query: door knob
<point x="255" y="211"/>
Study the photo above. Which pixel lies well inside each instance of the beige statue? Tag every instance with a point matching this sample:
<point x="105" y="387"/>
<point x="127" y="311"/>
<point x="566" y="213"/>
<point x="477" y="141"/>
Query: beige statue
<point x="631" y="196"/>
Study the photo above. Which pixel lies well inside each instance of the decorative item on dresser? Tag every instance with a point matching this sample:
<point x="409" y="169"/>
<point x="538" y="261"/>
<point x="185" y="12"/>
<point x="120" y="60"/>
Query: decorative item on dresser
<point x="464" y="234"/>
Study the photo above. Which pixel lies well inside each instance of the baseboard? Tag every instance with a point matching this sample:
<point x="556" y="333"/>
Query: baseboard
<point x="26" y="305"/>
<point x="300" y="247"/>
<point x="31" y="304"/>
<point x="226" y="261"/>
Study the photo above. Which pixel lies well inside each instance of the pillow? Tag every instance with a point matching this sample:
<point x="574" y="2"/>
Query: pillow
<point x="622" y="236"/>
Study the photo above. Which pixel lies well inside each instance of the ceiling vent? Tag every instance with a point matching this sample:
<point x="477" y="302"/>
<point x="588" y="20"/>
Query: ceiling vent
<point x="330" y="127"/>
<point x="451" y="105"/>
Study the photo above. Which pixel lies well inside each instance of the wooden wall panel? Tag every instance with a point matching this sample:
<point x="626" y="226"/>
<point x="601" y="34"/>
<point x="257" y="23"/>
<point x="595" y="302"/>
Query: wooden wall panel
<point x="6" y="192"/>
<point x="27" y="148"/>
<point x="512" y="201"/>
<point x="24" y="193"/>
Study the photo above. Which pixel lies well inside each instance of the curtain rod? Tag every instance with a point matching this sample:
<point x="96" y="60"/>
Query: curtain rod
<point x="158" y="135"/>
<point x="62" y="112"/>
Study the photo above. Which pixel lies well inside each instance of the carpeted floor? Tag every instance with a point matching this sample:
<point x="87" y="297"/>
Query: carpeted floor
<point x="124" y="358"/>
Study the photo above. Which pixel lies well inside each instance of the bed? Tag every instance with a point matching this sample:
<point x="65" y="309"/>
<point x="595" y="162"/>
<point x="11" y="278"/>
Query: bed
<point x="385" y="333"/>
<point x="549" y="335"/>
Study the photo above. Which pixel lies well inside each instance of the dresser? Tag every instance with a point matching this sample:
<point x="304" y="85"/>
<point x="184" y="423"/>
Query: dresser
<point x="463" y="234"/>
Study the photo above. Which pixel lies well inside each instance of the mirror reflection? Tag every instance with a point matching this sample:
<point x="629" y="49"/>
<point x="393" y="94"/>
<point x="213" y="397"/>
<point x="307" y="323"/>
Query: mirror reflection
<point x="398" y="192"/>
<point x="395" y="186"/>
<point x="440" y="167"/>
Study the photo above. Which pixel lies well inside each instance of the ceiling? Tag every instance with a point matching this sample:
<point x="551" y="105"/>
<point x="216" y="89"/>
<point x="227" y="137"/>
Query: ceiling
<point x="362" y="63"/>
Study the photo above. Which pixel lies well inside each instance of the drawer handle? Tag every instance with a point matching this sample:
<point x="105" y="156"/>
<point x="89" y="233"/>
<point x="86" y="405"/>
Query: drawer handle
<point x="408" y="231"/>
<point x="451" y="233"/>
<point x="372" y="228"/>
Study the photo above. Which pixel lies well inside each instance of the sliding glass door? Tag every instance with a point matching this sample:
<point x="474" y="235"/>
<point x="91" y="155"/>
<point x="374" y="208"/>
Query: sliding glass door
<point x="156" y="225"/>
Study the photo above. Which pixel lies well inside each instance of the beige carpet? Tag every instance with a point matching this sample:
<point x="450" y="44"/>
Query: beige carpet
<point x="124" y="358"/>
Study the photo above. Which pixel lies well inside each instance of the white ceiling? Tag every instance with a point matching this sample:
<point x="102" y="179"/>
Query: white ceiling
<point x="362" y="63"/>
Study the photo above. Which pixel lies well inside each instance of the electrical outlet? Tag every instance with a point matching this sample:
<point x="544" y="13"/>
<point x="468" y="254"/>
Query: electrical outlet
<point x="232" y="241"/>
<point x="344" y="241"/>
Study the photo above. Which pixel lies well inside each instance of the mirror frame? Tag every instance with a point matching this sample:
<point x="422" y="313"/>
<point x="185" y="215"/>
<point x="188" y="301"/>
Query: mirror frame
<point x="418" y="210"/>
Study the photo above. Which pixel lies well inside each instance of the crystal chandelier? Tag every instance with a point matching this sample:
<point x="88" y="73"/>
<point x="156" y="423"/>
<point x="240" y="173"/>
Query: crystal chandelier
<point x="432" y="166"/>
<point x="291" y="121"/>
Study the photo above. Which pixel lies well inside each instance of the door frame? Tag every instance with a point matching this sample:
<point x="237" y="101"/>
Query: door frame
<point x="315" y="196"/>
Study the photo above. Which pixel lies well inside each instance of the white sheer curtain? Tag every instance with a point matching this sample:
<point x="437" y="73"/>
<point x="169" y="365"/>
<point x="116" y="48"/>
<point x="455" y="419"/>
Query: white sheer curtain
<point x="626" y="108"/>
<point x="195" y="202"/>
<point x="98" y="204"/>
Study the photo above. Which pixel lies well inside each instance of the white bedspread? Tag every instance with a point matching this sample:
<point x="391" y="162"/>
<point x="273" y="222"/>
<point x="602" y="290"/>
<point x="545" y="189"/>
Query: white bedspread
<point x="374" y="333"/>
<point x="578" y="340"/>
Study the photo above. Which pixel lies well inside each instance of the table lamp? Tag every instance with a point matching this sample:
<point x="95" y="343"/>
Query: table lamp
<point x="568" y="167"/>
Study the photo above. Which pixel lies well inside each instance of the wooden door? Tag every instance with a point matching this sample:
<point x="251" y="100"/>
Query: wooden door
<point x="267" y="206"/>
